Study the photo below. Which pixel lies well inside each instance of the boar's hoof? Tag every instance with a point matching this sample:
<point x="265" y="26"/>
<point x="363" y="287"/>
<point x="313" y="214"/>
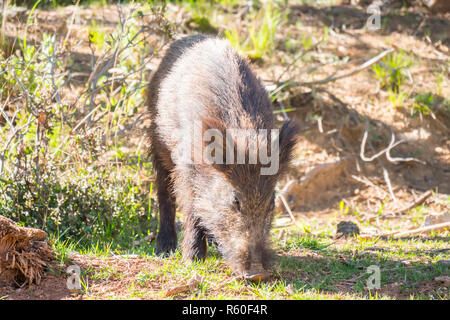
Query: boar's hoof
<point x="165" y="252"/>
<point x="165" y="248"/>
<point x="256" y="277"/>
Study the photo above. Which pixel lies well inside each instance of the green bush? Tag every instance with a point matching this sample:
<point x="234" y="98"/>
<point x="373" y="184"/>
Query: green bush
<point x="87" y="208"/>
<point x="67" y="164"/>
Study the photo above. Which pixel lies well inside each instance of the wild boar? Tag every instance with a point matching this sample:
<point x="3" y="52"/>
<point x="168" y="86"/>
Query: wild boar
<point x="203" y="90"/>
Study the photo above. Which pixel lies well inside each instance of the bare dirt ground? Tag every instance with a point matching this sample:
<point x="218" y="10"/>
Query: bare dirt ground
<point x="333" y="118"/>
<point x="348" y="103"/>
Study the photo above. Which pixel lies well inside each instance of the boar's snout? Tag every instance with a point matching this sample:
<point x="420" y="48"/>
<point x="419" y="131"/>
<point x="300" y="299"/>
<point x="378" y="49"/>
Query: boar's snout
<point x="256" y="274"/>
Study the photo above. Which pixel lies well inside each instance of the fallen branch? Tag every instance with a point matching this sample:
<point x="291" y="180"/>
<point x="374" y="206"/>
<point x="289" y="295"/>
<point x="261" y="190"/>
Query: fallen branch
<point x="397" y="234"/>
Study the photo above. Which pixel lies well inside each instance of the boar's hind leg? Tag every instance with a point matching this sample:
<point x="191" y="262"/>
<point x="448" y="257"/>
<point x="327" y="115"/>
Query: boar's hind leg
<point x="167" y="235"/>
<point x="194" y="239"/>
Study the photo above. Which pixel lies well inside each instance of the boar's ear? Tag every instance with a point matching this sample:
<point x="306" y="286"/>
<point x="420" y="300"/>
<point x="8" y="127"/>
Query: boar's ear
<point x="288" y="138"/>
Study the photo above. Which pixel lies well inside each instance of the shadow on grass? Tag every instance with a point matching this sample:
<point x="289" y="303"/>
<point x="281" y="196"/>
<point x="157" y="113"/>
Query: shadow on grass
<point x="348" y="272"/>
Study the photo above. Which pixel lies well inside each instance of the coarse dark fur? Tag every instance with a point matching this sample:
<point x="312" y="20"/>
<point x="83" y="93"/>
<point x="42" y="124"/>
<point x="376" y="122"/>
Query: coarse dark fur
<point x="203" y="79"/>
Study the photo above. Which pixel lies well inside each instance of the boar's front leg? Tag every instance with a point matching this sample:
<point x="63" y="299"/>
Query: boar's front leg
<point x="167" y="235"/>
<point x="194" y="239"/>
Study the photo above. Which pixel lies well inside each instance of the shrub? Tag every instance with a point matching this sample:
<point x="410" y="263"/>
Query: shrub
<point x="64" y="164"/>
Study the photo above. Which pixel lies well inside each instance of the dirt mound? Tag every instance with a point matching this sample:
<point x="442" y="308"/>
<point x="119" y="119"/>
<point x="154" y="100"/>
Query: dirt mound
<point x="24" y="253"/>
<point x="319" y="184"/>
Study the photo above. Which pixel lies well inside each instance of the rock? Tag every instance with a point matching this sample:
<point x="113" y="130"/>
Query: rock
<point x="347" y="229"/>
<point x="282" y="222"/>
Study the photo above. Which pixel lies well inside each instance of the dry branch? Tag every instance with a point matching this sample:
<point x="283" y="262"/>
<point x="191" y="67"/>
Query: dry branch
<point x="386" y="151"/>
<point x="385" y="172"/>
<point x="398" y="234"/>
<point x="286" y="205"/>
<point x="415" y="203"/>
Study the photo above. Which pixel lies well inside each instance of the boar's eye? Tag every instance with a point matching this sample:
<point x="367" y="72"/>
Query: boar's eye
<point x="236" y="203"/>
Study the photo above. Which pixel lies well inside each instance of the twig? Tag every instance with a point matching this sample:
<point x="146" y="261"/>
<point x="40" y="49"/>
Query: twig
<point x="10" y="139"/>
<point x="392" y="145"/>
<point x="388" y="183"/>
<point x="415" y="203"/>
<point x="27" y="95"/>
<point x="369" y="183"/>
<point x="379" y="154"/>
<point x="302" y="54"/>
<point x="69" y="26"/>
<point x="283" y="109"/>
<point x="75" y="128"/>
<point x="331" y="78"/>
<point x="286" y="205"/>
<point x="54" y="65"/>
<point x="122" y="131"/>
<point x="385" y="172"/>
<point x="385" y="151"/>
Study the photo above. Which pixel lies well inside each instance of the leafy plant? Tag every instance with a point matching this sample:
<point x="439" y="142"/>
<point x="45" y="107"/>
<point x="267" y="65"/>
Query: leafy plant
<point x="261" y="35"/>
<point x="97" y="35"/>
<point x="423" y="103"/>
<point x="397" y="98"/>
<point x="391" y="72"/>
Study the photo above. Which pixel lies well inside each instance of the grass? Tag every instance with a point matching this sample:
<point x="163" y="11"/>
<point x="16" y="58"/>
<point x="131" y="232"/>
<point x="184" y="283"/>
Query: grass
<point x="306" y="267"/>
<point x="261" y="34"/>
